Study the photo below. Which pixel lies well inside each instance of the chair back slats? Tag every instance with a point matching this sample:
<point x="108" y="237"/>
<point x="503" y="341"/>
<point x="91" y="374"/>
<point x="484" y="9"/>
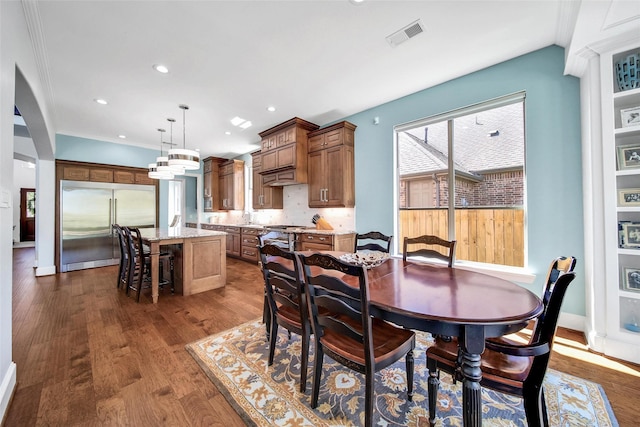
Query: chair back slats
<point x="282" y="286"/>
<point x="428" y="252"/>
<point x="284" y="291"/>
<point x="369" y="243"/>
<point x="335" y="304"/>
<point x="545" y="328"/>
<point x="559" y="266"/>
<point x="337" y="323"/>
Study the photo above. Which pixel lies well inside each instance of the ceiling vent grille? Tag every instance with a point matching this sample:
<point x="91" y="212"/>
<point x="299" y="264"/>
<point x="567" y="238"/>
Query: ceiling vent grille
<point x="406" y="33"/>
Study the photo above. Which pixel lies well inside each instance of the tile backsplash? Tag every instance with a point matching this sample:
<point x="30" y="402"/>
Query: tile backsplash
<point x="296" y="212"/>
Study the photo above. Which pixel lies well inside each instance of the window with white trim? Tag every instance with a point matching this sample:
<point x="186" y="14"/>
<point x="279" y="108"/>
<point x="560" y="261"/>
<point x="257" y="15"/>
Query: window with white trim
<point x="461" y="176"/>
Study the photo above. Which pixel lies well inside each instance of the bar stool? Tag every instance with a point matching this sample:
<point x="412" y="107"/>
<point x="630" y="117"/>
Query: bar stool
<point x="140" y="264"/>
<point x="123" y="271"/>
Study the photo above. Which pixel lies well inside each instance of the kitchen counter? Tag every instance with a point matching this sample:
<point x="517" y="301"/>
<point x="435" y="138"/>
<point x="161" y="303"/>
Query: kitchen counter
<point x="309" y="229"/>
<point x="156" y="234"/>
<point x="326" y="232"/>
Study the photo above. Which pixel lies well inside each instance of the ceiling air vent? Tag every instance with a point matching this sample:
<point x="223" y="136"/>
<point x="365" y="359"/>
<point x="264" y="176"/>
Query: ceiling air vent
<point x="406" y="33"/>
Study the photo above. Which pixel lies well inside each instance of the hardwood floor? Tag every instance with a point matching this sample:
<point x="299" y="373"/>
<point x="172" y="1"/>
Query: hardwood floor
<point x="86" y="354"/>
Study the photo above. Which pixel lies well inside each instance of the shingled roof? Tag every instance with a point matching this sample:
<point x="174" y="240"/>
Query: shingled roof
<point x="476" y="152"/>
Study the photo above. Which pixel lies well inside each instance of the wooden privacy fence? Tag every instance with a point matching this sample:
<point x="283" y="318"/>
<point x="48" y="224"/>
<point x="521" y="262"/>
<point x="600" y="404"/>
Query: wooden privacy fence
<point x="490" y="235"/>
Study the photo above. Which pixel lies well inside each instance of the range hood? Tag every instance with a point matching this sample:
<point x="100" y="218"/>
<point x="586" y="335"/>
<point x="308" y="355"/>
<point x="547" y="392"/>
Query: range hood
<point x="283" y="177"/>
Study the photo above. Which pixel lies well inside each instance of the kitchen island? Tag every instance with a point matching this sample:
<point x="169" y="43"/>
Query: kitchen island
<point x="200" y="258"/>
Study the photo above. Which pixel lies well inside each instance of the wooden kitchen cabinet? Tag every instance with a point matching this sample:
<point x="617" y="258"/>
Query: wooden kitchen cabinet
<point x="123" y="177"/>
<point x="284" y="148"/>
<point x="285" y="133"/>
<point x="75" y="173"/>
<point x="94" y="172"/>
<point x="233" y="240"/>
<point x="331" y="166"/>
<point x="100" y="175"/>
<point x="326" y="242"/>
<point x="211" y="184"/>
<point x="142" y="178"/>
<point x="231" y="181"/>
<point x="264" y="197"/>
<point x="249" y="243"/>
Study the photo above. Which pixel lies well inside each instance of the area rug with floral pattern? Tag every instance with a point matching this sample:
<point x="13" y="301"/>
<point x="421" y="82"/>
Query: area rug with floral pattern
<point x="236" y="362"/>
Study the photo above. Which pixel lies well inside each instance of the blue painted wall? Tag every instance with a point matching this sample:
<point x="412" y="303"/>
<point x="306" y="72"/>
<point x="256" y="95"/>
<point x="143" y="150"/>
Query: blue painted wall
<point x="553" y="154"/>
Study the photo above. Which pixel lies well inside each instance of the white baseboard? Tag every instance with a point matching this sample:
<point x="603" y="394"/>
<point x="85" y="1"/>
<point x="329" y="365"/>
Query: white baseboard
<point x="45" y="271"/>
<point x="6" y="389"/>
<point x="572" y="321"/>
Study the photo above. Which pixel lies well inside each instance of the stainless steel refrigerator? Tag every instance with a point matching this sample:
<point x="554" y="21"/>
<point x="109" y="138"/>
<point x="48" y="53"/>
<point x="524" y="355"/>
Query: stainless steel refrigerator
<point x="88" y="211"/>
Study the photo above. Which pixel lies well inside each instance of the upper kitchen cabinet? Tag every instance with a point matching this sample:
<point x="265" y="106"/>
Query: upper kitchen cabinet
<point x="331" y="166"/>
<point x="284" y="153"/>
<point x="264" y="197"/>
<point x="211" y="190"/>
<point x="231" y="180"/>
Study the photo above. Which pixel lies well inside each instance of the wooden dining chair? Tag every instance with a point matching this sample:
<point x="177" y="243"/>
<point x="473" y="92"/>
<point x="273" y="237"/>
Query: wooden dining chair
<point x="429" y="252"/>
<point x="286" y="303"/>
<point x="139" y="266"/>
<point x="344" y="329"/>
<point x="373" y="241"/>
<point x="508" y="367"/>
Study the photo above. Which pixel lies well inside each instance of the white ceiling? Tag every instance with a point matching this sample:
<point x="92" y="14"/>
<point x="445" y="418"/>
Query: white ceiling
<point x="318" y="60"/>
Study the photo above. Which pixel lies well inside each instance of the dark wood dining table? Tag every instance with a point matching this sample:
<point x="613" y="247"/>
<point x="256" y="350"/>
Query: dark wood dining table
<point x="455" y="302"/>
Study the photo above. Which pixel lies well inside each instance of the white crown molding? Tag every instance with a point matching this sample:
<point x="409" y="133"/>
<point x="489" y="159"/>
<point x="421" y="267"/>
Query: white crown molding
<point x="34" y="27"/>
<point x="601" y="28"/>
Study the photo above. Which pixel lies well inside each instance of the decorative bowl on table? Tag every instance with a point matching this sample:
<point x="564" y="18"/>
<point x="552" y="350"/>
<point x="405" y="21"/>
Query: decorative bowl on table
<point x="367" y="259"/>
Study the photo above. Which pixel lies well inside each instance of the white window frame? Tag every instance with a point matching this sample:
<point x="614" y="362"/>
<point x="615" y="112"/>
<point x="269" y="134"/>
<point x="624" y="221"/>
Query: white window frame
<point x="517" y="274"/>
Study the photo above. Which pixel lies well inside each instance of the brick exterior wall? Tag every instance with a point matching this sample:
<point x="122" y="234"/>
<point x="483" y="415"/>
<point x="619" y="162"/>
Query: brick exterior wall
<point x="496" y="189"/>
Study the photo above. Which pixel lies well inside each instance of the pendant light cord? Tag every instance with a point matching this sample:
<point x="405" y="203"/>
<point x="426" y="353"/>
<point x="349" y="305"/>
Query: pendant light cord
<point x="161" y="130"/>
<point x="184" y="109"/>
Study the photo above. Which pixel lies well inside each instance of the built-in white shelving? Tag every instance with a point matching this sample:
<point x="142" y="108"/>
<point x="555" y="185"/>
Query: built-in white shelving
<point x="622" y="209"/>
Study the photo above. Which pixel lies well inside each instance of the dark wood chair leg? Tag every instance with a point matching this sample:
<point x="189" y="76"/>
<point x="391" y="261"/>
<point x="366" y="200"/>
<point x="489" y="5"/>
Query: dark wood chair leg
<point x="272" y="341"/>
<point x="434" y="384"/>
<point x="317" y="374"/>
<point x="139" y="282"/>
<point x="368" y="398"/>
<point x="171" y="267"/>
<point x="410" y="364"/>
<point x="535" y="408"/>
<point x="304" y="360"/>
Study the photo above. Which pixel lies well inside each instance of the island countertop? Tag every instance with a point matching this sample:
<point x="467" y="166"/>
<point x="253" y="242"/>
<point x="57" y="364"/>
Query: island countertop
<point x="156" y="234"/>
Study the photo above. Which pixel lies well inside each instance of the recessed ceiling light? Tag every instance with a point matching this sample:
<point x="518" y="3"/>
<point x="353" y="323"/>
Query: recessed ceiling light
<point x="356" y="2"/>
<point x="122" y="136"/>
<point x="161" y="68"/>
<point x="271" y="108"/>
<point x="246" y="124"/>
<point x="101" y="101"/>
<point x="237" y="120"/>
<point x="227" y="133"/>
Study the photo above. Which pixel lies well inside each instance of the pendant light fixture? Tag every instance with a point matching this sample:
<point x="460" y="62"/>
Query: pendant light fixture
<point x="175" y="169"/>
<point x="188" y="159"/>
<point x="160" y="169"/>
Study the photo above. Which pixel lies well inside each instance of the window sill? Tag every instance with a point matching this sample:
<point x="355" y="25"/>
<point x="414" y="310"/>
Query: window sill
<point x="514" y="274"/>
